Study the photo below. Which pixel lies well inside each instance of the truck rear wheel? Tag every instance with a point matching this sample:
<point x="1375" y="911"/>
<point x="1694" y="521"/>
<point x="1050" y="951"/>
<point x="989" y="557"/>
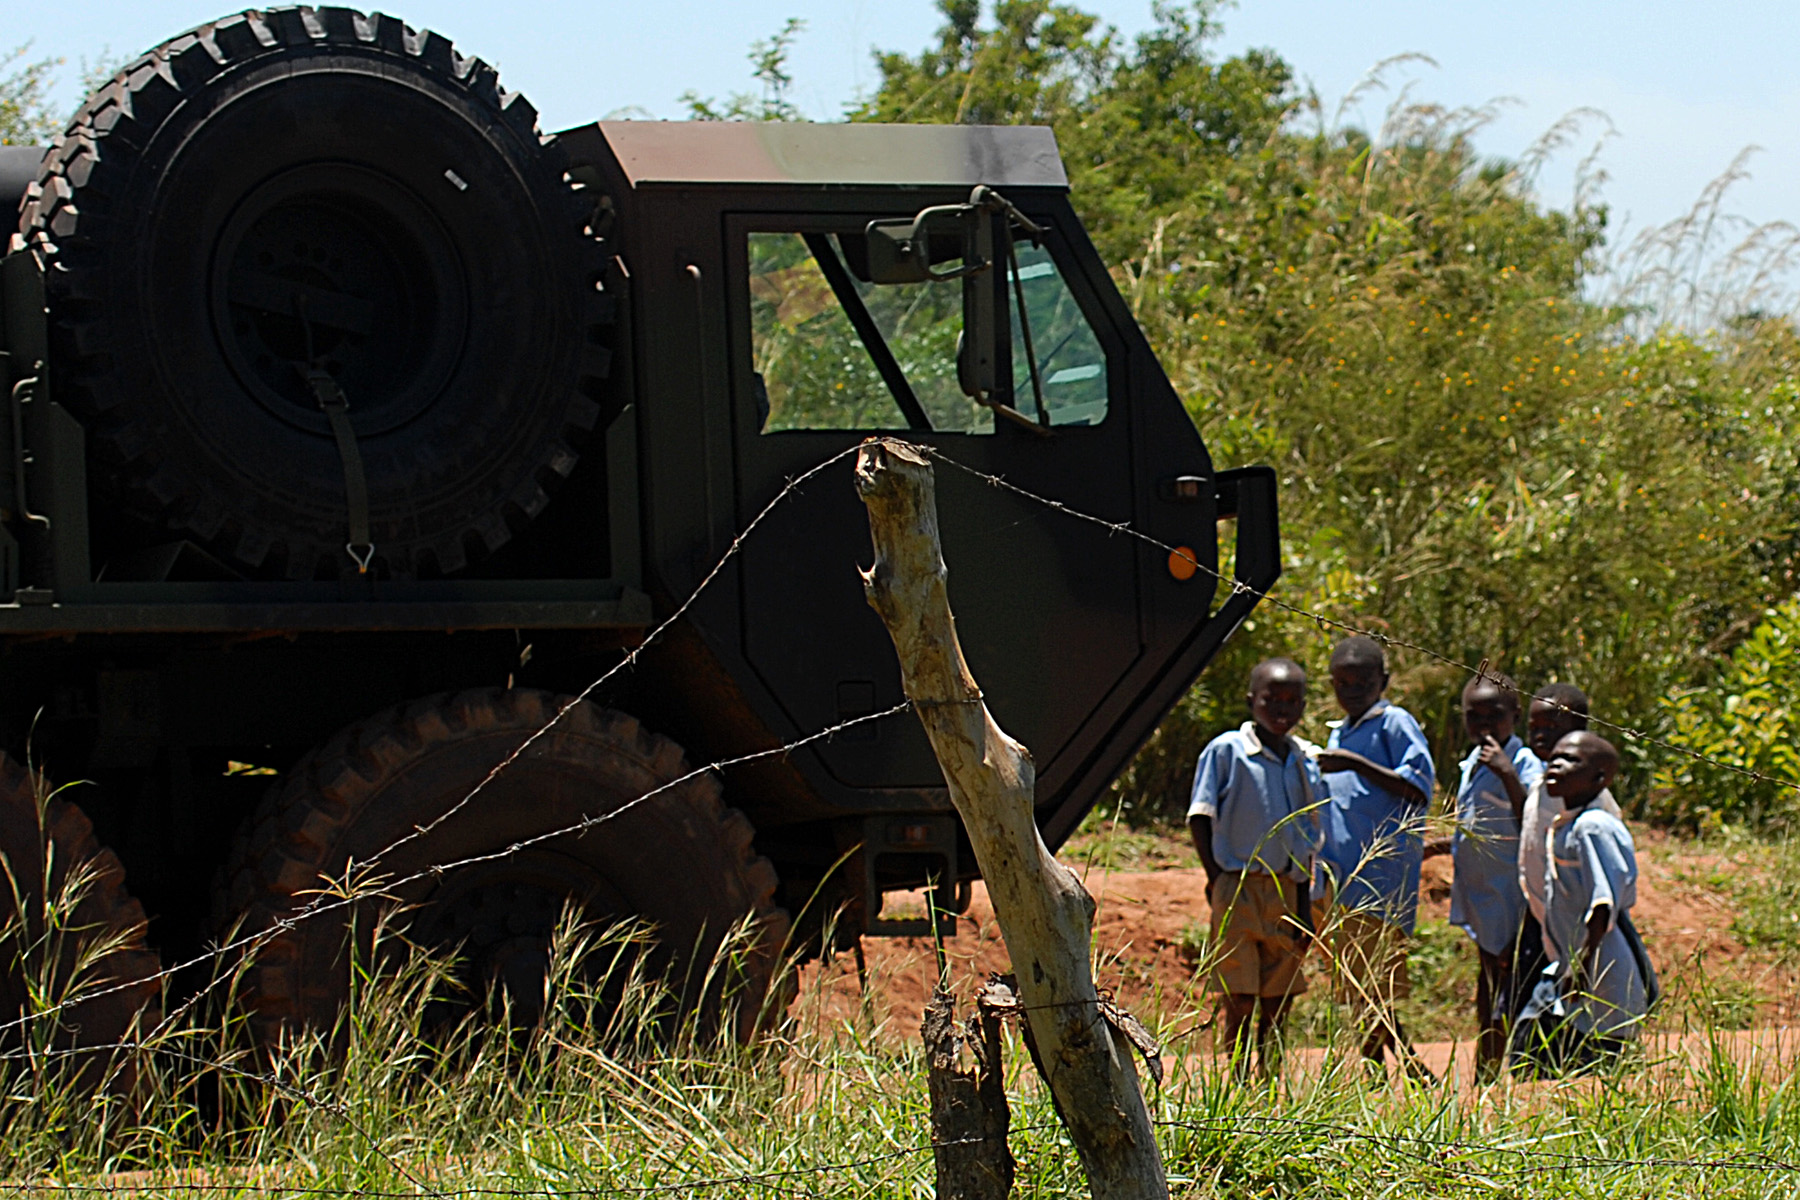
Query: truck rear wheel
<point x="49" y="853"/>
<point x="282" y="197"/>
<point x="679" y="860"/>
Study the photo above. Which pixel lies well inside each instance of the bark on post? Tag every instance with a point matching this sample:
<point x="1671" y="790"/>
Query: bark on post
<point x="1045" y="915"/>
<point x="969" y="1115"/>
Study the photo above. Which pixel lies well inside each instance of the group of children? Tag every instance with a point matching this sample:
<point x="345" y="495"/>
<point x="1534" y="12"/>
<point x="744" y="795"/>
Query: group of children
<point x="1311" y="849"/>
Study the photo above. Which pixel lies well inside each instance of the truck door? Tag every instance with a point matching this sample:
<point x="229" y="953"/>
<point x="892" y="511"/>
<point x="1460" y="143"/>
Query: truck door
<point x="1057" y="616"/>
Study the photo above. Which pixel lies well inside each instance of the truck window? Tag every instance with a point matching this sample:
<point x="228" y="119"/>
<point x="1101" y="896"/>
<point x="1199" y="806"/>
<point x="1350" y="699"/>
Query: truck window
<point x="819" y="335"/>
<point x="1071" y="365"/>
<point x="816" y="372"/>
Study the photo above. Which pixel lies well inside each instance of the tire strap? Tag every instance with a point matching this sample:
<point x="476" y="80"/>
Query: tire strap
<point x="331" y="399"/>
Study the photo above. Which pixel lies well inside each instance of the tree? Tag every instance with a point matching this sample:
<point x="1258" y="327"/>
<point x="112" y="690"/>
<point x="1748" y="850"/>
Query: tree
<point x="25" y="116"/>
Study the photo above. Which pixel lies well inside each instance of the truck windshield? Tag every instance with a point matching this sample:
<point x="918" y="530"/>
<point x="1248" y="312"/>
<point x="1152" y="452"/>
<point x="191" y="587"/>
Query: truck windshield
<point x="832" y="351"/>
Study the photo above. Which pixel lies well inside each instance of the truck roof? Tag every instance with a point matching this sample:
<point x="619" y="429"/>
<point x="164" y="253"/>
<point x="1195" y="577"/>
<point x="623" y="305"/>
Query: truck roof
<point x="747" y="152"/>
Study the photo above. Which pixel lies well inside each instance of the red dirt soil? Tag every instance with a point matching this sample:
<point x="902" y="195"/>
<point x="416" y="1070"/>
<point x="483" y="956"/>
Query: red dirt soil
<point x="1141" y="914"/>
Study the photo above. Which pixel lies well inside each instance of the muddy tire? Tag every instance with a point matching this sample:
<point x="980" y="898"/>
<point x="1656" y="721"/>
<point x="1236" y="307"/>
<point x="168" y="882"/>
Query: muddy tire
<point x="115" y="996"/>
<point x="316" y="190"/>
<point x="681" y="860"/>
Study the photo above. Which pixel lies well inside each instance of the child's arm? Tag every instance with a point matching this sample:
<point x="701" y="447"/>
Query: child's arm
<point x="1385" y="778"/>
<point x="1201" y="829"/>
<point x="1493" y="756"/>
<point x="1599" y="921"/>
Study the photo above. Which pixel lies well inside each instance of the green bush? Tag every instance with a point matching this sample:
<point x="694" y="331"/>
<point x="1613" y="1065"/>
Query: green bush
<point x="1745" y="721"/>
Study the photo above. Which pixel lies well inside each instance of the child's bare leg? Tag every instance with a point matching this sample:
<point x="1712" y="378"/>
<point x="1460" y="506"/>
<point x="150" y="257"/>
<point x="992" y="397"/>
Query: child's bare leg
<point x="1270" y="1017"/>
<point x="1490" y="1043"/>
<point x="1235" y="1033"/>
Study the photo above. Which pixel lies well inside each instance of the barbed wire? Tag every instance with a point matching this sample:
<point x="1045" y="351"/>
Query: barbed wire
<point x="330" y="899"/>
<point x="1238" y="587"/>
<point x="326" y="900"/>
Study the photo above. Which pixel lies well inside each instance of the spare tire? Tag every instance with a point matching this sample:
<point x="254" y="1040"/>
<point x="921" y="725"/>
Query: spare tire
<point x="316" y="190"/>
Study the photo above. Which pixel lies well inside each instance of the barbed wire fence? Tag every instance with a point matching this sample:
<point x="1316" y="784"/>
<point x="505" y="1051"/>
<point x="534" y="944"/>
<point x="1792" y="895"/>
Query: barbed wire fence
<point x="368" y="882"/>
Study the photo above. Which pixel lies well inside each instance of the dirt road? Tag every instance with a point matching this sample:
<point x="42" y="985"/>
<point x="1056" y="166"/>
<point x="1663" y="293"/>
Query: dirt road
<point x="1142" y="914"/>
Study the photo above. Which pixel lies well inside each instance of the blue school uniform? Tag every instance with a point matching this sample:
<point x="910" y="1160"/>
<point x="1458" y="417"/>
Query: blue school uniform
<point x="1374" y="840"/>
<point x="1264" y="808"/>
<point x="1485" y="897"/>
<point x="1592" y="862"/>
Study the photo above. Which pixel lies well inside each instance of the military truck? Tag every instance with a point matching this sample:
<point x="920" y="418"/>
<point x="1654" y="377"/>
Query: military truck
<point x="356" y="427"/>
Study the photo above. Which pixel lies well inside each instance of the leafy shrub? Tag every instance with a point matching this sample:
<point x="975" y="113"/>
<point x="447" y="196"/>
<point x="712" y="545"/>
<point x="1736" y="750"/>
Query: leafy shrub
<point x="1747" y="721"/>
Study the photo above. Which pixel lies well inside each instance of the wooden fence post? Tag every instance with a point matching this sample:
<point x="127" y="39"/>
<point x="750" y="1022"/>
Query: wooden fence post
<point x="1045" y="915"/>
<point x="969" y="1116"/>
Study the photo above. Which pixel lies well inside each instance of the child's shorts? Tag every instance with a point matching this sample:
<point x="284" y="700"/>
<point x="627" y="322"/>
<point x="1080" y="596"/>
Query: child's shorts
<point x="1368" y="958"/>
<point x="1259" y="942"/>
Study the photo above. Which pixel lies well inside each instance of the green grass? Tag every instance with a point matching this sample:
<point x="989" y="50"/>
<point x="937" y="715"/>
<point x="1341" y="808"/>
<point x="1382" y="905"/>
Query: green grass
<point x="830" y="1103"/>
<point x="1768" y="898"/>
<point x="838" y="1107"/>
<point x="1108" y="840"/>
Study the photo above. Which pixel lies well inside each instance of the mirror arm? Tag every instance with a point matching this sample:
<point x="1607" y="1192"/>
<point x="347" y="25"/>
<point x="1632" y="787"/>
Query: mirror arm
<point x="986" y="197"/>
<point x="1018" y="418"/>
<point x="1031" y="362"/>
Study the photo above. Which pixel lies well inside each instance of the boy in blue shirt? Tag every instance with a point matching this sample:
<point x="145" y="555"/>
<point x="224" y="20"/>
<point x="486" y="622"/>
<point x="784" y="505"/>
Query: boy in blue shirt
<point x="1377" y="765"/>
<point x="1254" y="820"/>
<point x="1485" y="898"/>
<point x="1601" y="985"/>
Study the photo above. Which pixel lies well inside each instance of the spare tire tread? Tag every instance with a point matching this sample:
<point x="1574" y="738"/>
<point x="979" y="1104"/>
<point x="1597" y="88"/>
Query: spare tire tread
<point x="69" y="205"/>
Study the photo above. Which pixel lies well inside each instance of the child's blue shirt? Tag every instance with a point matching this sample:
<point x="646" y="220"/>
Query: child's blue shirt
<point x="1485" y="897"/>
<point x="1264" y="809"/>
<point x="1592" y="862"/>
<point x="1374" y="840"/>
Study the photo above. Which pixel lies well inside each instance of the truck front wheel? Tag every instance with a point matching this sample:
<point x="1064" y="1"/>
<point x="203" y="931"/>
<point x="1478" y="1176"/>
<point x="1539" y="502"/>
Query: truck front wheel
<point x="403" y="794"/>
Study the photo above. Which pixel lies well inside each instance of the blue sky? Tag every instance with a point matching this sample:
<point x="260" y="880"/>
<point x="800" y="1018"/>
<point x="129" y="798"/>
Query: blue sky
<point x="1685" y="85"/>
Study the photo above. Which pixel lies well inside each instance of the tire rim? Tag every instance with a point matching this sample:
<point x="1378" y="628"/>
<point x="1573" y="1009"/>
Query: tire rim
<point x="338" y="265"/>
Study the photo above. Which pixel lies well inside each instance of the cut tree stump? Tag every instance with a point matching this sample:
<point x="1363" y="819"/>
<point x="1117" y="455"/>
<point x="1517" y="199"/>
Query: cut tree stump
<point x="1045" y="915"/>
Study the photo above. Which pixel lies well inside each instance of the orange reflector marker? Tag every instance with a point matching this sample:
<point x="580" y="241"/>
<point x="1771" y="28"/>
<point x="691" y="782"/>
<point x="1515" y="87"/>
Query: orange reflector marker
<point x="1184" y="564"/>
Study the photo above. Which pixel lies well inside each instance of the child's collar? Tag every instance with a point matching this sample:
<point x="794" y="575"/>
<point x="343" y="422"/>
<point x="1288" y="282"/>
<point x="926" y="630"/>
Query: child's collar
<point x="1254" y="745"/>
<point x="1345" y="725"/>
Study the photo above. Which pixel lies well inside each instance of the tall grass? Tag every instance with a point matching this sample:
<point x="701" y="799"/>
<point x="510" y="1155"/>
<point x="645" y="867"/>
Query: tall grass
<point x="609" y="1097"/>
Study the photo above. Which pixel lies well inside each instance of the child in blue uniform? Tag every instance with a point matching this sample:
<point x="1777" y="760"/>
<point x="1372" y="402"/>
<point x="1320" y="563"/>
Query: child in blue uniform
<point x="1485" y="898"/>
<point x="1254" y="819"/>
<point x="1557" y="710"/>
<point x="1377" y="764"/>
<point x="1601" y="986"/>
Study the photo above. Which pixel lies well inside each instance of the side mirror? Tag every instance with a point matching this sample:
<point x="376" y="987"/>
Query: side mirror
<point x="915" y="251"/>
<point x="910" y="251"/>
<point x="952" y="241"/>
